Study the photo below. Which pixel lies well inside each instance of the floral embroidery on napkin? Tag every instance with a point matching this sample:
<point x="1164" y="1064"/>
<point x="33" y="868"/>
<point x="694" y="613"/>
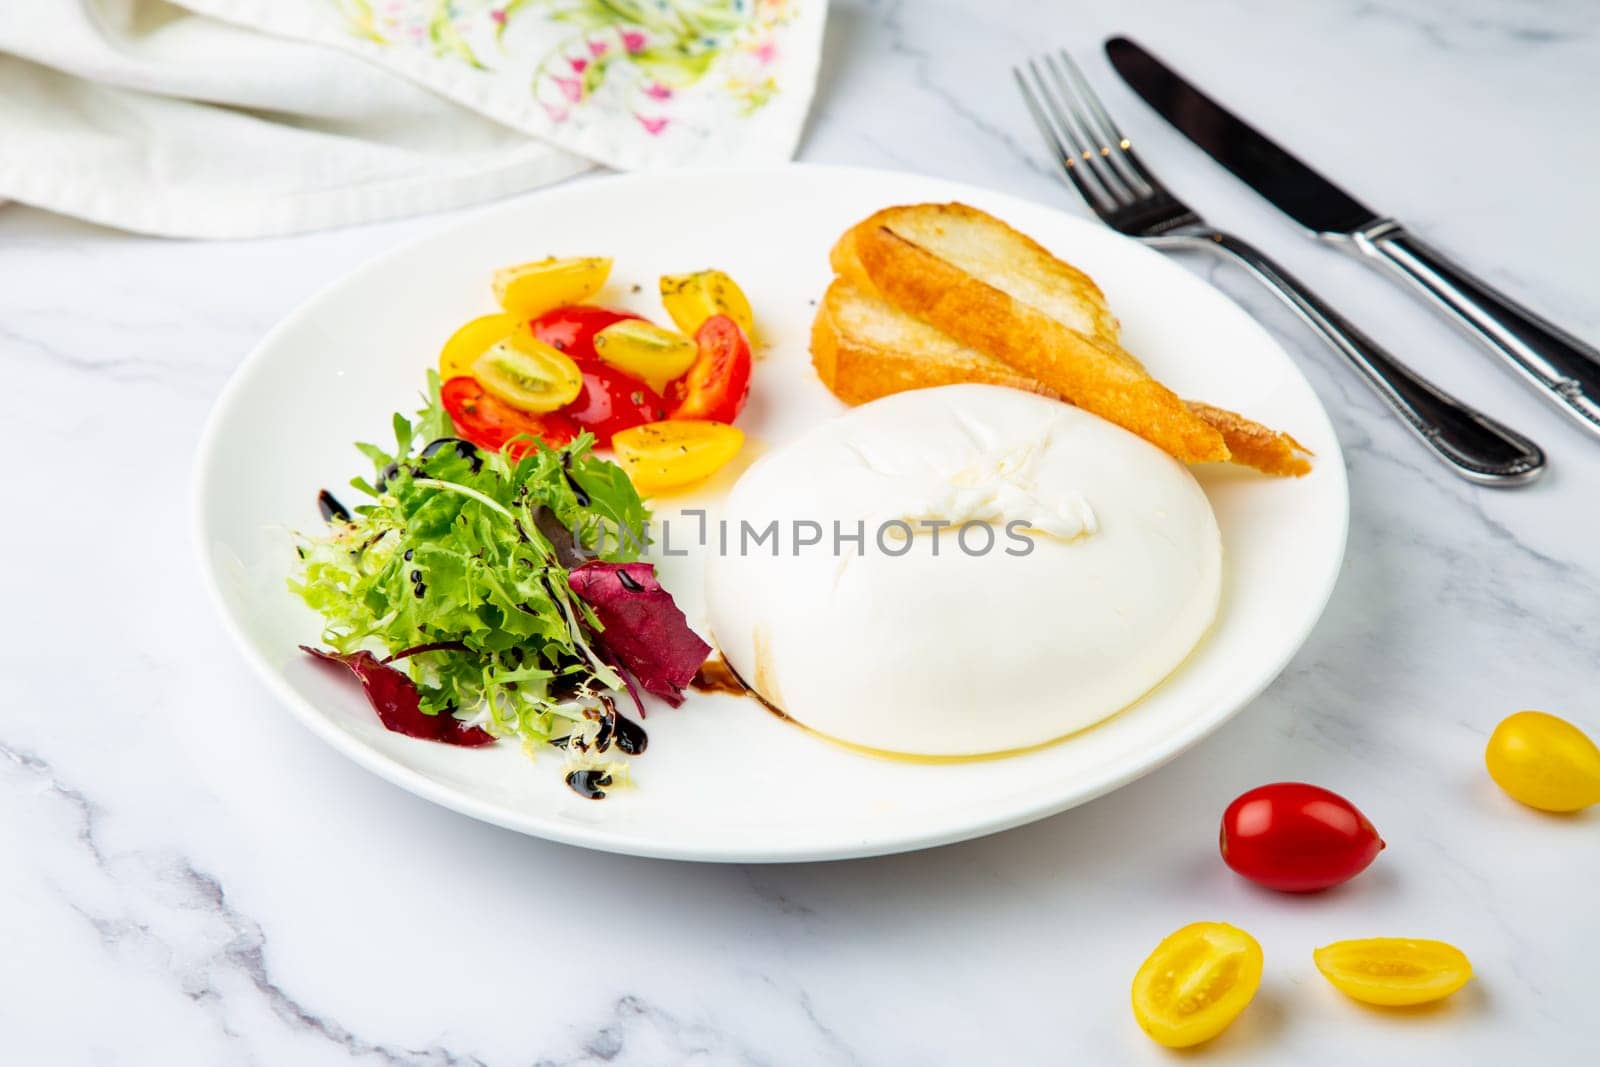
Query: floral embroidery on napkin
<point x="643" y="57"/>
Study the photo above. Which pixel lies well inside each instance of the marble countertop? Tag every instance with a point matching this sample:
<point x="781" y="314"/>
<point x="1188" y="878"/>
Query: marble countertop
<point x="191" y="878"/>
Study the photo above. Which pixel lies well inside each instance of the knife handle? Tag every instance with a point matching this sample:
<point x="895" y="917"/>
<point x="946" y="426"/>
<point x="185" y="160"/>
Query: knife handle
<point x="1473" y="445"/>
<point x="1564" y="369"/>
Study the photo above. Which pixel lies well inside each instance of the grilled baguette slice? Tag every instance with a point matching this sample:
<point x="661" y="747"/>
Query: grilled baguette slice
<point x="1254" y="445"/>
<point x="991" y="288"/>
<point x="863" y="348"/>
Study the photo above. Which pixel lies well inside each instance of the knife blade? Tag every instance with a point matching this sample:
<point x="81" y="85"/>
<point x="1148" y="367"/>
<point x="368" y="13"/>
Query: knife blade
<point x="1297" y="190"/>
<point x="1564" y="369"/>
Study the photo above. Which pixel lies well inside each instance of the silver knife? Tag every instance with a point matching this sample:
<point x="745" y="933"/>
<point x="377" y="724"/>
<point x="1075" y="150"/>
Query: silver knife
<point x="1564" y="369"/>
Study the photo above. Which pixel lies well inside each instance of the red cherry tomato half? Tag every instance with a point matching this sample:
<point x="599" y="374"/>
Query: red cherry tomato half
<point x="1297" y="838"/>
<point x="572" y="329"/>
<point x="490" y="423"/>
<point x="612" y="401"/>
<point x="718" y="381"/>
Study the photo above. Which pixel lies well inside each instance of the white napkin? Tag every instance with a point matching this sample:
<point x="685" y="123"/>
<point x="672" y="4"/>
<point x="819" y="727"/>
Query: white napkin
<point x="235" y="118"/>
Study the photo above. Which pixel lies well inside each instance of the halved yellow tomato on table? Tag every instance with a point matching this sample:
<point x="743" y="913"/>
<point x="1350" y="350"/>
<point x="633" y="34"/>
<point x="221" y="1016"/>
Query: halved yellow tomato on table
<point x="670" y="455"/>
<point x="531" y="289"/>
<point x="1195" y="983"/>
<point x="1394" y="971"/>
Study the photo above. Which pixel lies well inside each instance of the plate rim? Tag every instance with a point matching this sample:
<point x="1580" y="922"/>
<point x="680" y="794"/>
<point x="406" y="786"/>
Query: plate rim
<point x="601" y="838"/>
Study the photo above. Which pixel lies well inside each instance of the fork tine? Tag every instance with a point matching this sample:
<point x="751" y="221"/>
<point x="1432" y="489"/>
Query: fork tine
<point x="1082" y="156"/>
<point x="1095" y="151"/>
<point x="1069" y="158"/>
<point x="1092" y="151"/>
<point x="1109" y="129"/>
<point x="1108" y="182"/>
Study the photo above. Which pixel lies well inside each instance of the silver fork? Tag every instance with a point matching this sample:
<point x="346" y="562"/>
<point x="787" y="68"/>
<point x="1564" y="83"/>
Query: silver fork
<point x="1100" y="163"/>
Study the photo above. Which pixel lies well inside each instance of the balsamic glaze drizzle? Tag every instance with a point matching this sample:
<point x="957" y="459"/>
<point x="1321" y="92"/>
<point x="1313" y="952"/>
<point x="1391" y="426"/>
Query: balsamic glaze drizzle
<point x="464" y="450"/>
<point x="628" y="735"/>
<point x="589" y="784"/>
<point x="331" y="509"/>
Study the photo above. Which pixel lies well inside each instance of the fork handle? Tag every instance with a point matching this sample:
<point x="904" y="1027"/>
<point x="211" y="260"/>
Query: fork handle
<point x="1564" y="369"/>
<point x="1473" y="445"/>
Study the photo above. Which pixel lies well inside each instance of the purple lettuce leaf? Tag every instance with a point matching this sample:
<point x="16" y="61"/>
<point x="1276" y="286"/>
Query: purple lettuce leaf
<point x="394" y="696"/>
<point x="645" y="631"/>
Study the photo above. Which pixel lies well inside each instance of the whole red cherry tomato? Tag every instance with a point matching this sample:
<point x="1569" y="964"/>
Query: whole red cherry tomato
<point x="489" y="422"/>
<point x="1297" y="838"/>
<point x="718" y="381"/>
<point x="612" y="401"/>
<point x="572" y="329"/>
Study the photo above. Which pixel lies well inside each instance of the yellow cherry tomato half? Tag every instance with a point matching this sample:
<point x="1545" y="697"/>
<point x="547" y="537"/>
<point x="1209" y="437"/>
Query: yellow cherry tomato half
<point x="471" y="341"/>
<point x="673" y="454"/>
<point x="1545" y="762"/>
<point x="528" y="374"/>
<point x="646" y="351"/>
<point x="1195" y="983"/>
<point x="691" y="299"/>
<point x="531" y="289"/>
<point x="1394" y="971"/>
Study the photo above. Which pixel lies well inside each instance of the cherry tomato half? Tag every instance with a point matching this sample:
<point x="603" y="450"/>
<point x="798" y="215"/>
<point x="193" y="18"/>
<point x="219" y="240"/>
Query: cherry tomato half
<point x="1196" y="983"/>
<point x="1394" y="971"/>
<point x="490" y="423"/>
<point x="646" y="351"/>
<point x="572" y="329"/>
<point x="718" y="382"/>
<point x="528" y="374"/>
<point x="612" y="401"/>
<point x="1297" y="838"/>
<point x="472" y="340"/>
<point x="673" y="454"/>
<point x="529" y="289"/>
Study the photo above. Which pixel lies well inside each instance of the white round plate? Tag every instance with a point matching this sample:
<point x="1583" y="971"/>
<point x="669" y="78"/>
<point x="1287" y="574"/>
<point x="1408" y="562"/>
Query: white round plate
<point x="724" y="780"/>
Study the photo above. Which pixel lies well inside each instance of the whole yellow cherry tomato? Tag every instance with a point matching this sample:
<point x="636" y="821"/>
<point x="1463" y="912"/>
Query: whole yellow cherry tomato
<point x="1195" y="983"/>
<point x="691" y="299"/>
<point x="1394" y="971"/>
<point x="471" y="341"/>
<point x="670" y="455"/>
<point x="1545" y="762"/>
<point x="531" y="289"/>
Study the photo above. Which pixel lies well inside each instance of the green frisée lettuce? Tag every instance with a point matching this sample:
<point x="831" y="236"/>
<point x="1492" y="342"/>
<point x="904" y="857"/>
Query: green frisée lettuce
<point x="456" y="571"/>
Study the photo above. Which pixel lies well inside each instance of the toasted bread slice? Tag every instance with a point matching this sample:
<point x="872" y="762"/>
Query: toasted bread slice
<point x="863" y="348"/>
<point x="995" y="290"/>
<point x="1065" y="288"/>
<point x="980" y="245"/>
<point x="847" y="264"/>
<point x="1254" y="445"/>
